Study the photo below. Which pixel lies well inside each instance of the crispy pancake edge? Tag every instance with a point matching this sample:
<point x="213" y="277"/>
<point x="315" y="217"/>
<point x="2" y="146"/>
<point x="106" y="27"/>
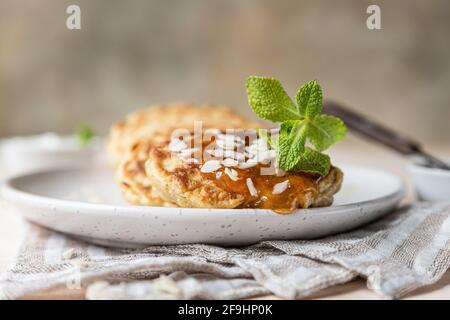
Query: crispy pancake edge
<point x="184" y="185"/>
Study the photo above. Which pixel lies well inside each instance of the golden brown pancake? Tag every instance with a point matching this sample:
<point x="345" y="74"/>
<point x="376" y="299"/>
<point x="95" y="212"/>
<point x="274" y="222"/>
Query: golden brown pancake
<point x="143" y="123"/>
<point x="184" y="184"/>
<point x="131" y="140"/>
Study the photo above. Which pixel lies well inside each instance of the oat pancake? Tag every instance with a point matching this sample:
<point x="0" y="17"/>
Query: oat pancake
<point x="131" y="140"/>
<point x="142" y="123"/>
<point x="187" y="185"/>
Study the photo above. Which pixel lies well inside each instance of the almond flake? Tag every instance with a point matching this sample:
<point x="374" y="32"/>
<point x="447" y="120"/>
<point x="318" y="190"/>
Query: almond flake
<point x="177" y="145"/>
<point x="224" y="136"/>
<point x="272" y="153"/>
<point x="280" y="187"/>
<point x="232" y="174"/>
<point x="261" y="144"/>
<point x="234" y="155"/>
<point x="217" y="153"/>
<point x="251" y="187"/>
<point x="266" y="156"/>
<point x="252" y="149"/>
<point x="210" y="166"/>
<point x="229" y="137"/>
<point x="239" y="157"/>
<point x="228" y="162"/>
<point x="218" y="174"/>
<point x="250" y="155"/>
<point x="229" y="145"/>
<point x="248" y="164"/>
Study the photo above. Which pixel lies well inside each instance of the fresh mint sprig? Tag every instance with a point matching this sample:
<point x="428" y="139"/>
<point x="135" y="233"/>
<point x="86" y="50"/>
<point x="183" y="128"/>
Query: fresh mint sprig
<point x="84" y="135"/>
<point x="301" y="123"/>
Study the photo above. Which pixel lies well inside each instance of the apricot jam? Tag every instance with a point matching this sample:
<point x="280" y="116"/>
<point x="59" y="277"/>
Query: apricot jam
<point x="301" y="187"/>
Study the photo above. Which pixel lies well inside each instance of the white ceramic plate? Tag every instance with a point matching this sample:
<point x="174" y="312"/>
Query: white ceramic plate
<point x="86" y="203"/>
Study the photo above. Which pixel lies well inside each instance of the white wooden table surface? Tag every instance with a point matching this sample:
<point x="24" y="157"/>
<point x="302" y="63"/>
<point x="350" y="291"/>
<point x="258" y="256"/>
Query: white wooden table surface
<point x="353" y="150"/>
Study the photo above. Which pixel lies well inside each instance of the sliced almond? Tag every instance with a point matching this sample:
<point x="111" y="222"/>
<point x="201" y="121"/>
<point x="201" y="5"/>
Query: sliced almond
<point x="232" y="174"/>
<point x="218" y="153"/>
<point x="261" y="144"/>
<point x="252" y="149"/>
<point x="177" y="145"/>
<point x="239" y="157"/>
<point x="230" y="137"/>
<point x="250" y="155"/>
<point x="266" y="156"/>
<point x="210" y="166"/>
<point x="228" y="162"/>
<point x="234" y="155"/>
<point x="248" y="164"/>
<point x="224" y="136"/>
<point x="280" y="187"/>
<point x="229" y="145"/>
<point x="251" y="187"/>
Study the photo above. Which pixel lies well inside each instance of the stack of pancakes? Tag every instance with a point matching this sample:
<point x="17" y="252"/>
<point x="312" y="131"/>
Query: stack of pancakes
<point x="131" y="140"/>
<point x="148" y="174"/>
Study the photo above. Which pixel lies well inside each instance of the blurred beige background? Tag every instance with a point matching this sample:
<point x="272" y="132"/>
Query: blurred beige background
<point x="130" y="54"/>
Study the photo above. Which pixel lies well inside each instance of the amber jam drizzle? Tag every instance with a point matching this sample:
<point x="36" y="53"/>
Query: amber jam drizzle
<point x="302" y="186"/>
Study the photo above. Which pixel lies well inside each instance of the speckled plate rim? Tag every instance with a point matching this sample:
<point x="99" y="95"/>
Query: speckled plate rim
<point x="121" y="225"/>
<point x="12" y="194"/>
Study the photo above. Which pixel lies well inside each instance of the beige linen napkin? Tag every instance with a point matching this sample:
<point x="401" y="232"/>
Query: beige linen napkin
<point x="405" y="250"/>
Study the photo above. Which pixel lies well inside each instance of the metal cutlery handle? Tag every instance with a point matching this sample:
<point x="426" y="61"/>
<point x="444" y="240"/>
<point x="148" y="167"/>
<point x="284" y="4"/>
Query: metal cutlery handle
<point x="388" y="137"/>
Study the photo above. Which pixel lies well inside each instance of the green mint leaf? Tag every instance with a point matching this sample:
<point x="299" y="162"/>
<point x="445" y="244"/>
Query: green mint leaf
<point x="325" y="130"/>
<point x="312" y="161"/>
<point x="269" y="100"/>
<point x="309" y="99"/>
<point x="300" y="124"/>
<point x="84" y="135"/>
<point x="291" y="143"/>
